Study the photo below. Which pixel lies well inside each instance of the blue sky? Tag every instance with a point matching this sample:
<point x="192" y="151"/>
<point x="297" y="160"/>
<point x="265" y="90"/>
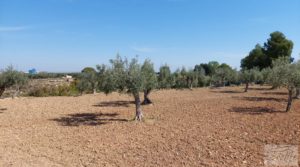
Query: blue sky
<point x="67" y="35"/>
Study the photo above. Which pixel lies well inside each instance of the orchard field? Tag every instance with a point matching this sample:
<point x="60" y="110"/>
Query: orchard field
<point x="199" y="127"/>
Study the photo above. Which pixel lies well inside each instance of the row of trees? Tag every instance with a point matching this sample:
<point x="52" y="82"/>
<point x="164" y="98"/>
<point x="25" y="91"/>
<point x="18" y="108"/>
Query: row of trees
<point x="262" y="65"/>
<point x="132" y="77"/>
<point x="270" y="64"/>
<point x="274" y="65"/>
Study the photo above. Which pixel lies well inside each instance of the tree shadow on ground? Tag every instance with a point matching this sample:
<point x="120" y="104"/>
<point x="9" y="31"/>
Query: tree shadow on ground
<point x="88" y="119"/>
<point x="120" y="103"/>
<point x="3" y="109"/>
<point x="227" y="91"/>
<point x="259" y="88"/>
<point x="254" y="110"/>
<point x="262" y="99"/>
<point x="275" y="93"/>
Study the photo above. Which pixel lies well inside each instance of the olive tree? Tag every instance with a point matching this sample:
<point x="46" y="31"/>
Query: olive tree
<point x="223" y="74"/>
<point x="88" y="80"/>
<point x="192" y="78"/>
<point x="180" y="77"/>
<point x="249" y="76"/>
<point x="135" y="84"/>
<point x="200" y="78"/>
<point x="82" y="85"/>
<point x="124" y="76"/>
<point x="165" y="79"/>
<point x="286" y="75"/>
<point x="265" y="74"/>
<point x="150" y="80"/>
<point x="11" y="77"/>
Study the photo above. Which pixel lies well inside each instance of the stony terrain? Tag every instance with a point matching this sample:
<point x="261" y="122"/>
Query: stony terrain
<point x="202" y="127"/>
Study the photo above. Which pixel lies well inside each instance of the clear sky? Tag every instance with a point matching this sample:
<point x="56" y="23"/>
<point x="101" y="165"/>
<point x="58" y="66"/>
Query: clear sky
<point x="67" y="35"/>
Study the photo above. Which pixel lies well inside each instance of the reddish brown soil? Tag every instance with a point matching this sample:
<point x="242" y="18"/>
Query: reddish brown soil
<point x="203" y="127"/>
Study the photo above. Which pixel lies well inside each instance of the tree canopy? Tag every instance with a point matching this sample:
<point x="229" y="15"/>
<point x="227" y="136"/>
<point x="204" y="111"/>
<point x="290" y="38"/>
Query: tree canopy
<point x="286" y="75"/>
<point x="261" y="57"/>
<point x="165" y="77"/>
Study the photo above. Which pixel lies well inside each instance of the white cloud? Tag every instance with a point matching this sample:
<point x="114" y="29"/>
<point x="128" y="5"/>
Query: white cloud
<point x="12" y="28"/>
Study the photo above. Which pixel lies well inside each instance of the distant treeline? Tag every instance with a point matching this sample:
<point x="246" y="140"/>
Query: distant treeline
<point x="44" y="75"/>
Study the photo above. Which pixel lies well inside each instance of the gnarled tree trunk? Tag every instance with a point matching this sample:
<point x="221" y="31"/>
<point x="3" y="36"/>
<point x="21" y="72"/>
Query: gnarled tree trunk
<point x="146" y="98"/>
<point x="138" y="113"/>
<point x="290" y="99"/>
<point x="2" y="89"/>
<point x="247" y="86"/>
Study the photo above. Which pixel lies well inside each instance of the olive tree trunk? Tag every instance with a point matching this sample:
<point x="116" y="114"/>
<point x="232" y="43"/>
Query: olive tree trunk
<point x="146" y="97"/>
<point x="191" y="85"/>
<point x="247" y="86"/>
<point x="290" y="100"/>
<point x="138" y="113"/>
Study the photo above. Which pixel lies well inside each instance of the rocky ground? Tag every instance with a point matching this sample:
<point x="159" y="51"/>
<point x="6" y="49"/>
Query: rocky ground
<point x="202" y="127"/>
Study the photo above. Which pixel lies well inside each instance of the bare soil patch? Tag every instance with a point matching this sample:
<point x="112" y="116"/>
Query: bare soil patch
<point x="202" y="127"/>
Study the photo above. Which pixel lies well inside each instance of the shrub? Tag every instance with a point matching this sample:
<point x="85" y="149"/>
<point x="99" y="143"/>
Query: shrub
<point x="11" y="77"/>
<point x="45" y="91"/>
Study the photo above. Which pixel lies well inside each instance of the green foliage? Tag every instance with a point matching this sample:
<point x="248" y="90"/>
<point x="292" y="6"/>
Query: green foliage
<point x="278" y="46"/>
<point x="200" y="78"/>
<point x="187" y="79"/>
<point x="256" y="58"/>
<point x="209" y="68"/>
<point x="11" y="77"/>
<point x="165" y="79"/>
<point x="84" y="86"/>
<point x="149" y="75"/>
<point x="127" y="77"/>
<point x="108" y="82"/>
<point x="119" y="73"/>
<point x="285" y="74"/>
<point x="135" y="81"/>
<point x="249" y="76"/>
<point x="224" y="74"/>
<point x="261" y="57"/>
<point x="180" y="78"/>
<point x="88" y="80"/>
<point x="265" y="74"/>
<point x="88" y="70"/>
<point x="193" y="78"/>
